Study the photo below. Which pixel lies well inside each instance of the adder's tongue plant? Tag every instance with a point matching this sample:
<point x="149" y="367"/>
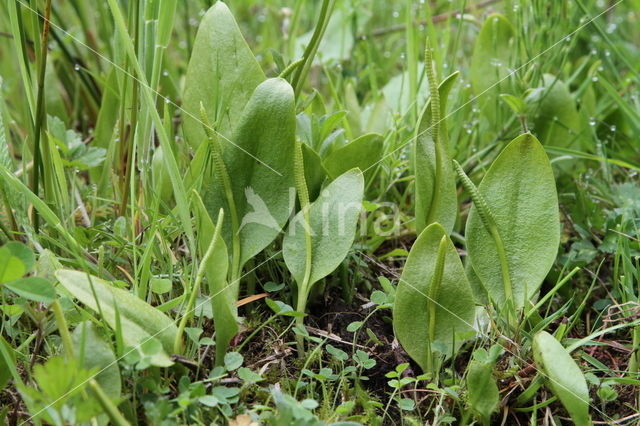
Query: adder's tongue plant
<point x="513" y="230"/>
<point x="320" y="235"/>
<point x="174" y="172"/>
<point x="434" y="309"/>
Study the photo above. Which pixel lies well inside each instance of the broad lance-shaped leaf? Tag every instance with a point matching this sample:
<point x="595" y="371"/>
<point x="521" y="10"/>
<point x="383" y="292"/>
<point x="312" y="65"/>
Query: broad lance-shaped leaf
<point x="520" y="192"/>
<point x="362" y="153"/>
<point x="223" y="297"/>
<point x="260" y="171"/>
<point x="427" y="318"/>
<point x="563" y="376"/>
<point x="222" y="74"/>
<point x="491" y="63"/>
<point x="333" y="219"/>
<point x="436" y="199"/>
<point x="93" y="352"/>
<point x="139" y="320"/>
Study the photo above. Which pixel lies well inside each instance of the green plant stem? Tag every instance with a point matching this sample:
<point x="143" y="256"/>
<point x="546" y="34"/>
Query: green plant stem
<point x="291" y="68"/>
<point x="256" y="331"/>
<point x="128" y="143"/>
<point x="489" y="222"/>
<point x="312" y="47"/>
<point x="552" y="292"/>
<point x="63" y="329"/>
<point x="634" y="362"/>
<point x="303" y="196"/>
<point x="504" y="264"/>
<point x="222" y="173"/>
<point x="435" y="132"/>
<point x="434" y="287"/>
<point x="112" y="411"/>
<point x="177" y="345"/>
<point x="40" y="116"/>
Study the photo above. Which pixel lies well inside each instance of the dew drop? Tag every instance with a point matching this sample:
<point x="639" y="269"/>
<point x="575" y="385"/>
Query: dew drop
<point x="594" y="78"/>
<point x="76" y="67"/>
<point x="395" y="14"/>
<point x="613" y="128"/>
<point x="592" y="121"/>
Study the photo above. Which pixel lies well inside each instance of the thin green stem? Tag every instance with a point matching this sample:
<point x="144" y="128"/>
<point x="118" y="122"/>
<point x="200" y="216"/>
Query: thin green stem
<point x="303" y="196"/>
<point x="222" y="173"/>
<point x="109" y="407"/>
<point x="435" y="132"/>
<point x="489" y="222"/>
<point x="63" y="329"/>
<point x="177" y="345"/>
<point x="314" y="43"/>
<point x="434" y="287"/>
<point x="256" y="331"/>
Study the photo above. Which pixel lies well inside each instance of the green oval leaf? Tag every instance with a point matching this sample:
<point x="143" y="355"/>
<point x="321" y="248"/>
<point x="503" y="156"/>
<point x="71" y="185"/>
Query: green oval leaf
<point x="23" y="253"/>
<point x="520" y="190"/>
<point x="94" y="352"/>
<point x="222" y="74"/>
<point x="564" y="377"/>
<point x="15" y="260"/>
<point x="556" y="121"/>
<point x="334" y="216"/>
<point x="33" y="288"/>
<point x="453" y="303"/>
<point x="362" y="153"/>
<point x="139" y="320"/>
<point x="260" y="162"/>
